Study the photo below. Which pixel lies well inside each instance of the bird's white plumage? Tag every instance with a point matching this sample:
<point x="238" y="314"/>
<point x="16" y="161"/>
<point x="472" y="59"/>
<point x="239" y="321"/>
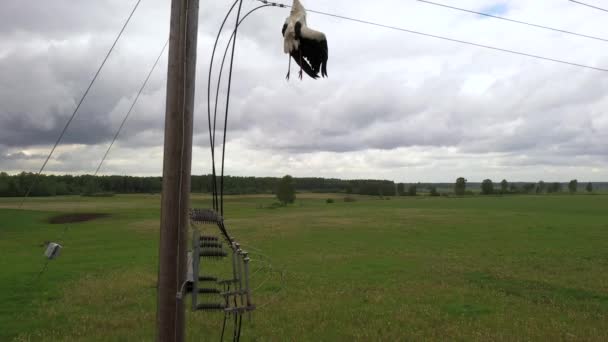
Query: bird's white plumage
<point x="298" y="14"/>
<point x="312" y="34"/>
<point x="290" y="43"/>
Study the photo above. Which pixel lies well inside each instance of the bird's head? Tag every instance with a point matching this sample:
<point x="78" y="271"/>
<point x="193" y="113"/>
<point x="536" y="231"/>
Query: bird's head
<point x="297" y="7"/>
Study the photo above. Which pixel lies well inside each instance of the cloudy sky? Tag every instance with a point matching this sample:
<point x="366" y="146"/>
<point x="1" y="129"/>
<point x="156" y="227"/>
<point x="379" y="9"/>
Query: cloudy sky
<point x="396" y="105"/>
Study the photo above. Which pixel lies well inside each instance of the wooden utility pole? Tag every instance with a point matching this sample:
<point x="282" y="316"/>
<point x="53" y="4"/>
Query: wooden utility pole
<point x="175" y="202"/>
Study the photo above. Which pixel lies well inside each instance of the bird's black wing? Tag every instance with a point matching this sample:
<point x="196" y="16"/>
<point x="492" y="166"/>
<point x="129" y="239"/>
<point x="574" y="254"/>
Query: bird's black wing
<point x="316" y="52"/>
<point x="304" y="64"/>
<point x="324" y="57"/>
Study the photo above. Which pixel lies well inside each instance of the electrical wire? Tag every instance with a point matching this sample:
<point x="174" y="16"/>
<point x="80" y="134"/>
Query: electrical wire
<point x="212" y="134"/>
<point x="236" y="26"/>
<point x="65" y="128"/>
<point x="584" y="4"/>
<point x="237" y="330"/>
<point x="226" y="289"/>
<point x="131" y="109"/>
<point x="238" y="337"/>
<point x="266" y="279"/>
<point x="233" y="40"/>
<point x="217" y="100"/>
<point x="276" y="293"/>
<point x="282" y="272"/>
<point x="489" y="47"/>
<point x="217" y="93"/>
<point x="512" y="20"/>
<point x="236" y="317"/>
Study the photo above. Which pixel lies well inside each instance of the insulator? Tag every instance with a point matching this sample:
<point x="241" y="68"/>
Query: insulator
<point x="246" y="266"/>
<point x="209" y="291"/>
<point x="239" y="270"/>
<point x="211" y="244"/>
<point x="212" y="253"/>
<point x="207" y="279"/>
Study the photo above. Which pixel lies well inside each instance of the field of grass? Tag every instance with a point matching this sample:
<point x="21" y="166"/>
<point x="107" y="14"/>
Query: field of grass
<point x="469" y="269"/>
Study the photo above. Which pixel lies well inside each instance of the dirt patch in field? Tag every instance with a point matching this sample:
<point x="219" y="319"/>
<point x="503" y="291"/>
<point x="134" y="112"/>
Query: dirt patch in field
<point x="74" y="218"/>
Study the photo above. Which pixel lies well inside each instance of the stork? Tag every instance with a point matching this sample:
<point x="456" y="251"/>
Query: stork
<point x="306" y="46"/>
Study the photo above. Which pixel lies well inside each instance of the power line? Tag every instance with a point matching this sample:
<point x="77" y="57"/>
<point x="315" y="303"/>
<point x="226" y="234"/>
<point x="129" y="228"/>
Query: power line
<point x="219" y="81"/>
<point x="212" y="132"/>
<point x="79" y="103"/>
<point x="584" y="4"/>
<point x="236" y="26"/>
<point x="396" y="28"/>
<point x="513" y="20"/>
<point x="131" y="109"/>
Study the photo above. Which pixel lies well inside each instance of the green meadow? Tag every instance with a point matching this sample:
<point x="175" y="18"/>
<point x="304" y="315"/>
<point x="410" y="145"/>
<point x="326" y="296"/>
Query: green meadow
<point x="405" y="269"/>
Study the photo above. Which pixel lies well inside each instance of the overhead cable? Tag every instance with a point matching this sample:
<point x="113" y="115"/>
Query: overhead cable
<point x="212" y="130"/>
<point x="401" y="29"/>
<point x="513" y="20"/>
<point x="236" y="25"/>
<point x="65" y="128"/>
<point x="124" y="121"/>
<point x="588" y="5"/>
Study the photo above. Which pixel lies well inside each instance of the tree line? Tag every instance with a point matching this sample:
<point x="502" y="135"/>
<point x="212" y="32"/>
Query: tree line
<point x="504" y="187"/>
<point x="58" y="185"/>
<point x="54" y="185"/>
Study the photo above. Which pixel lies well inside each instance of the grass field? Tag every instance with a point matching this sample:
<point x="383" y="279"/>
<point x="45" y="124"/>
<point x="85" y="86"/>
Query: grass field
<point x="468" y="269"/>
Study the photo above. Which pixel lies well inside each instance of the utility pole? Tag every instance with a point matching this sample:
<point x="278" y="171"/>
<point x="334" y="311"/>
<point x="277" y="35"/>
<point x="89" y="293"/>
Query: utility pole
<point x="175" y="202"/>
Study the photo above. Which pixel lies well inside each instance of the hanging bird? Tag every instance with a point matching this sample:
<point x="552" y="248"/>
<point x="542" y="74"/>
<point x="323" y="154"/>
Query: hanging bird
<point x="306" y="46"/>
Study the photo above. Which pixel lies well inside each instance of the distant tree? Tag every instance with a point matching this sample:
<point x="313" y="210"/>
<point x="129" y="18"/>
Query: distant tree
<point x="487" y="187"/>
<point x="504" y="186"/>
<point x="91" y="187"/>
<point x="286" y="192"/>
<point x="541" y="187"/>
<point x="589" y="187"/>
<point x="573" y="186"/>
<point x="349" y="188"/>
<point x="400" y="189"/>
<point x="528" y="188"/>
<point x="412" y="191"/>
<point x="13" y="189"/>
<point x="513" y="188"/>
<point x="433" y="191"/>
<point x="4" y="180"/>
<point x="554" y="187"/>
<point x="460" y="187"/>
